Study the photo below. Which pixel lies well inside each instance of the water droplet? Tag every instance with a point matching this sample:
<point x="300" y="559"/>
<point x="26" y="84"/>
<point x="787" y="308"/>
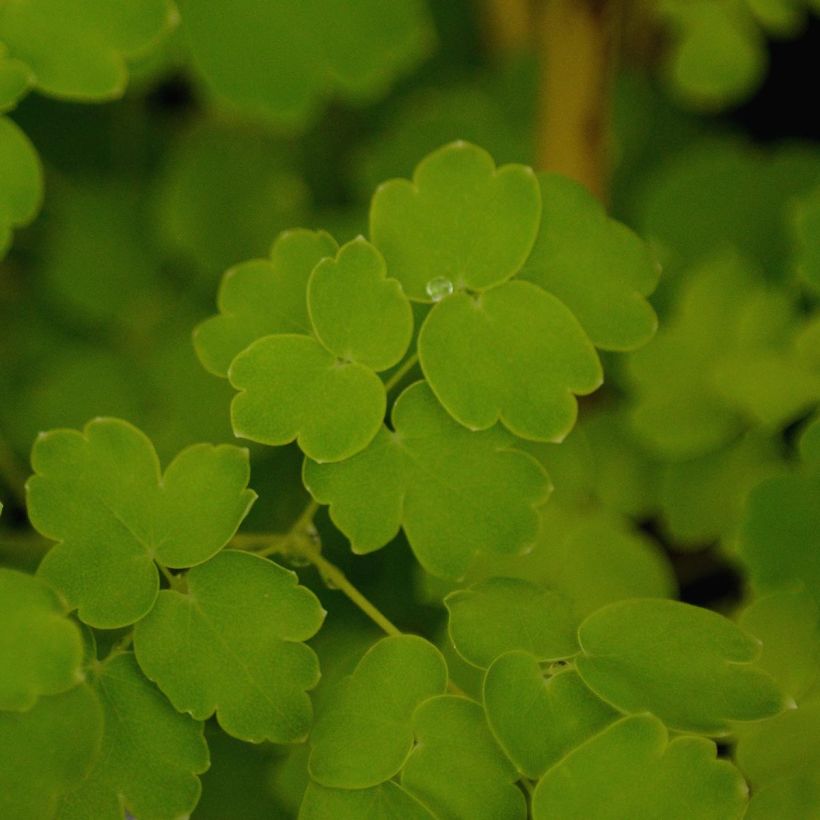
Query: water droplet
<point x="438" y="288"/>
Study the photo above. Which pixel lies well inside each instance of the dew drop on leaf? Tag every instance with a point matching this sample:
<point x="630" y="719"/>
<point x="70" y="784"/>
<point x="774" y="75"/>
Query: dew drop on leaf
<point x="439" y="288"/>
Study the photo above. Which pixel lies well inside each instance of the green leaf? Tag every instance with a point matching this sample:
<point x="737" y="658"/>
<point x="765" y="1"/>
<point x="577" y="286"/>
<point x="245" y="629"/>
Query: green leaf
<point x="262" y="298"/>
<point x="46" y="751"/>
<point x="225" y="192"/>
<point x="101" y="495"/>
<point x="357" y="312"/>
<point x="787" y="623"/>
<point x="806" y="226"/>
<point x="537" y="719"/>
<point x="632" y="769"/>
<point x="596" y="266"/>
<point x="387" y="801"/>
<point x="689" y="666"/>
<point x="150" y="754"/>
<point x="16" y="79"/>
<point x="22" y="189"/>
<point x="460" y="224"/>
<point x="453" y="492"/>
<point x="677" y="411"/>
<point x="295" y="52"/>
<point x="232" y="644"/>
<point x="292" y="388"/>
<point x="514" y="353"/>
<point x="41" y="651"/>
<point x="718" y="56"/>
<point x="701" y="500"/>
<point x="810" y="443"/>
<point x="364" y="729"/>
<point x="794" y="796"/>
<point x="502" y="614"/>
<point x="789" y="744"/>
<point x="80" y="51"/>
<point x="456" y="769"/>
<point x="780" y="537"/>
<point x="782" y="18"/>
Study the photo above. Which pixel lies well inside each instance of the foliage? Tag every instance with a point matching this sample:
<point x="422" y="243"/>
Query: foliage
<point x="499" y="437"/>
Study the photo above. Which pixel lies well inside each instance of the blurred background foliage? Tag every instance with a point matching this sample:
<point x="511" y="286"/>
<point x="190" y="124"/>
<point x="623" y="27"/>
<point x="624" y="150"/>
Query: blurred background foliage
<point x="143" y="153"/>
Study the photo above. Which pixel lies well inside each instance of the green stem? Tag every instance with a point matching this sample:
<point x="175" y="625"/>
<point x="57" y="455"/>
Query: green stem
<point x="409" y="363"/>
<point x="176" y="582"/>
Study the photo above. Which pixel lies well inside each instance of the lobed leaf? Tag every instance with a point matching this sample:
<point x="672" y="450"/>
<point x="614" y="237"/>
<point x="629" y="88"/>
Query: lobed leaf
<point x="80" y="51"/>
<point x="502" y="614"/>
<point x="41" y="651"/>
<point x="46" y="751"/>
<point x="22" y="190"/>
<point x="100" y="494"/>
<point x="292" y="388"/>
<point x="150" y="754"/>
<point x="632" y="769"/>
<point x="460" y="224"/>
<point x="597" y="267"/>
<point x="16" y="79"/>
<point x="387" y="801"/>
<point x="779" y="538"/>
<point x="787" y="623"/>
<point x="538" y="719"/>
<point x="364" y="730"/>
<point x="294" y="53"/>
<point x="454" y="492"/>
<point x="358" y="313"/>
<point x="691" y="667"/>
<point x="262" y="298"/>
<point x="513" y="353"/>
<point x="232" y="644"/>
<point x="456" y="768"/>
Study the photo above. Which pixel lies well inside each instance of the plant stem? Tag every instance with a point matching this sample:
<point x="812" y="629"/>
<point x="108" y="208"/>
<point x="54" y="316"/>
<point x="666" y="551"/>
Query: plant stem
<point x="176" y="582"/>
<point x="577" y="41"/>
<point x="508" y="25"/>
<point x="394" y="381"/>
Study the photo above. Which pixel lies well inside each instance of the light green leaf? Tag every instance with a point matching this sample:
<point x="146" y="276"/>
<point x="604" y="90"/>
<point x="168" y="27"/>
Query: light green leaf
<point x="537" y="719"/>
<point x="788" y="744"/>
<point x="296" y="51"/>
<point x="795" y="796"/>
<point x="782" y="18"/>
<point x="596" y="266"/>
<point x="100" y="493"/>
<point x="689" y="666"/>
<point x="633" y="770"/>
<point x="364" y="729"/>
<point x="22" y="189"/>
<point x="460" y="224"/>
<point x="292" y="388"/>
<point x="513" y="353"/>
<point x="456" y="769"/>
<point x="232" y="644"/>
<point x="502" y="614"/>
<point x="718" y="56"/>
<point x="79" y="51"/>
<point x="150" y="754"/>
<point x="780" y="537"/>
<point x="357" y="312"/>
<point x="787" y="623"/>
<point x="454" y="492"/>
<point x="387" y="801"/>
<point x="46" y="751"/>
<point x="262" y="298"/>
<point x="16" y="79"/>
<point x="41" y="651"/>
